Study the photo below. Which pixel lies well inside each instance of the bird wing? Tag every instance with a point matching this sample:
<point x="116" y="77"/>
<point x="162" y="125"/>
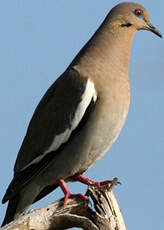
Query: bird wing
<point x="56" y="117"/>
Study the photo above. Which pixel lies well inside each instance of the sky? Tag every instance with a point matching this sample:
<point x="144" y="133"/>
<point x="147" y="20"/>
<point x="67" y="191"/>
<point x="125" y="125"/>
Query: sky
<point x="38" y="40"/>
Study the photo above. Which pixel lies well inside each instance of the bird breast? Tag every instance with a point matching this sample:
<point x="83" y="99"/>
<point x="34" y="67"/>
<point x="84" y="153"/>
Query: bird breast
<point x="109" y="116"/>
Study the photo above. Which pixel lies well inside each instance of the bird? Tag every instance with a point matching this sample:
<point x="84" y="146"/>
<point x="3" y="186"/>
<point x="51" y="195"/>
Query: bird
<point x="80" y="116"/>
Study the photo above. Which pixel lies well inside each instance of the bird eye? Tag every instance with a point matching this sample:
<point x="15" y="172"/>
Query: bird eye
<point x="138" y="12"/>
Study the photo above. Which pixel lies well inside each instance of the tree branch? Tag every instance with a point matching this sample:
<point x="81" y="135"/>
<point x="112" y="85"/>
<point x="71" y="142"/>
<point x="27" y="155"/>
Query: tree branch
<point x="105" y="215"/>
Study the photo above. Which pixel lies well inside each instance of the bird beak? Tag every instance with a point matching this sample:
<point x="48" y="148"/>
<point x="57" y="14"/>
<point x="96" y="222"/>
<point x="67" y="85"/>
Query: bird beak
<point x="153" y="29"/>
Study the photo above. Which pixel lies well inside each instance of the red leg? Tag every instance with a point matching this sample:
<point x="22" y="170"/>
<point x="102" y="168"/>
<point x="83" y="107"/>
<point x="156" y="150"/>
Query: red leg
<point x="67" y="193"/>
<point x="79" y="177"/>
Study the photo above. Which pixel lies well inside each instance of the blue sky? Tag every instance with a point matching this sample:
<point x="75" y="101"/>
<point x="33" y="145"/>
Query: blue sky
<point x="38" y="39"/>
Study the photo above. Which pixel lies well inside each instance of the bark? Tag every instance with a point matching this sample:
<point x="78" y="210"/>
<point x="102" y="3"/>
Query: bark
<point x="103" y="214"/>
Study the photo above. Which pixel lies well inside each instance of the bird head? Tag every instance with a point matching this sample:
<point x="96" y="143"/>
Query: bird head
<point x="132" y="16"/>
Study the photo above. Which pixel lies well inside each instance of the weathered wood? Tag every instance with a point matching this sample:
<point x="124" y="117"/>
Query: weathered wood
<point x="105" y="215"/>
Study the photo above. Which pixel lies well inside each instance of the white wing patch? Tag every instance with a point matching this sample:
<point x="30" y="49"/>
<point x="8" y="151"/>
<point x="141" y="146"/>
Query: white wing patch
<point x="88" y="95"/>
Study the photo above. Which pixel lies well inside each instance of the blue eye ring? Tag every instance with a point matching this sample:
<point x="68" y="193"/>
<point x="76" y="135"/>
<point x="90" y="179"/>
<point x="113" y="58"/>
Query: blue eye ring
<point x="138" y="13"/>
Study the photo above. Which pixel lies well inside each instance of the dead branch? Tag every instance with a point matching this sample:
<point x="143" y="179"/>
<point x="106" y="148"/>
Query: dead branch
<point x="104" y="215"/>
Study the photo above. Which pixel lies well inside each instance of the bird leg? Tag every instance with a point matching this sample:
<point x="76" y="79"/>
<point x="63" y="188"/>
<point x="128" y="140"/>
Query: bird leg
<point x="67" y="193"/>
<point x="79" y="177"/>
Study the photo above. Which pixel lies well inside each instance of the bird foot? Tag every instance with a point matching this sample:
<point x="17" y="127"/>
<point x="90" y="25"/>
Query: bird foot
<point x="79" y="177"/>
<point x="67" y="193"/>
<point x="70" y="195"/>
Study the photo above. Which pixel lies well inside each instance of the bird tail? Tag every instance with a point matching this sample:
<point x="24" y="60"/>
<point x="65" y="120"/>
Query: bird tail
<point x="11" y="210"/>
<point x="14" y="201"/>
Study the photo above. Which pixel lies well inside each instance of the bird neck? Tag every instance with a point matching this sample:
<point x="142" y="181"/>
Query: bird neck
<point x="107" y="51"/>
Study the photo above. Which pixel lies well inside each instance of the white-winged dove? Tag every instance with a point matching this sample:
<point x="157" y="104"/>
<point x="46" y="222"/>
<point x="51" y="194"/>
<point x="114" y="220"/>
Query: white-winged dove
<point x="81" y="114"/>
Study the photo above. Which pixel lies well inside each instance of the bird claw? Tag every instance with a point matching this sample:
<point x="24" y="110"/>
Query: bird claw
<point x="106" y="182"/>
<point x="70" y="195"/>
<point x="103" y="183"/>
<point x="79" y="177"/>
<point x="67" y="193"/>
